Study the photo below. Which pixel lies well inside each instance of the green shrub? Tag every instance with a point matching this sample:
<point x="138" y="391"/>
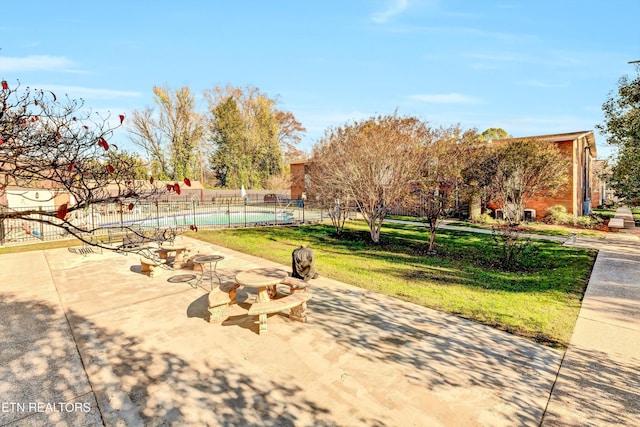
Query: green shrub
<point x="514" y="252"/>
<point x="484" y="218"/>
<point x="558" y="215"/>
<point x="589" y="221"/>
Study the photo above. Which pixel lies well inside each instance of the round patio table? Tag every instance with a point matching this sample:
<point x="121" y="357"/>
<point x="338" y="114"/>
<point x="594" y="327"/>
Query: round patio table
<point x="208" y="259"/>
<point x="178" y="259"/>
<point x="261" y="278"/>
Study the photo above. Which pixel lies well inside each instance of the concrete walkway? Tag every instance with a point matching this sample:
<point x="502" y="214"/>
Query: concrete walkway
<point x="88" y="340"/>
<point x="599" y="380"/>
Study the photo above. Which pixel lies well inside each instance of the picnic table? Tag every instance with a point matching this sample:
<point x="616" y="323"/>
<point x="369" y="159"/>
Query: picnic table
<point x="178" y="259"/>
<point x="266" y="280"/>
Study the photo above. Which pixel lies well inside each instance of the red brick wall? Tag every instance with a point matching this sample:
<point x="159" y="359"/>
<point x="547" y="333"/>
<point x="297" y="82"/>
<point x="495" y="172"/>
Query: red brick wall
<point x="297" y="180"/>
<point x="566" y="195"/>
<point x="571" y="195"/>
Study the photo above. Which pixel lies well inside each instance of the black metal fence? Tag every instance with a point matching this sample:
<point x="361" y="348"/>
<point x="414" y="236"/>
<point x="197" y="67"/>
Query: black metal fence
<point x="220" y="213"/>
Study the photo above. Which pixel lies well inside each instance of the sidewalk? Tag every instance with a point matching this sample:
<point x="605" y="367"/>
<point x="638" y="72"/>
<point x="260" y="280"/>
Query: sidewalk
<point x="599" y="379"/>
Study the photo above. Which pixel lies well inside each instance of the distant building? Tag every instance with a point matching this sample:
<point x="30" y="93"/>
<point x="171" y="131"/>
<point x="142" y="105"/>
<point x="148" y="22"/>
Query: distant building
<point x="579" y="193"/>
<point x="299" y="177"/>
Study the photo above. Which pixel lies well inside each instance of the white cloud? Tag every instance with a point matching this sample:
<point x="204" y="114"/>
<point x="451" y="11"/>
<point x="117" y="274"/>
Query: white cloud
<point x="445" y="98"/>
<point x="395" y="7"/>
<point x="36" y="63"/>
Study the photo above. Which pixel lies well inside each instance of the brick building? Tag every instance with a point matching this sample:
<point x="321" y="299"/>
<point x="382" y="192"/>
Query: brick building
<point x="577" y="195"/>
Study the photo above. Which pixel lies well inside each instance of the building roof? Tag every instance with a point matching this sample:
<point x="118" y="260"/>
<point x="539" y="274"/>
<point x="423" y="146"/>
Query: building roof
<point x="299" y="161"/>
<point x="559" y="137"/>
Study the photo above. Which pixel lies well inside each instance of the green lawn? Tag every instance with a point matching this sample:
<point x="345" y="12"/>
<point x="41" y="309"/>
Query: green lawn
<point x="464" y="277"/>
<point x="527" y="227"/>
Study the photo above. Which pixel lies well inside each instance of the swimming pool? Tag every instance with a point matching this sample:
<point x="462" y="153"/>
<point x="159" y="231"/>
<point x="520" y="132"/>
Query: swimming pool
<point x="221" y="218"/>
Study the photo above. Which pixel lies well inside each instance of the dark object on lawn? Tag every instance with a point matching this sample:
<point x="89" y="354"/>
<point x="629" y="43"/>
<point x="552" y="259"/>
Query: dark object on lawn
<point x="302" y="263"/>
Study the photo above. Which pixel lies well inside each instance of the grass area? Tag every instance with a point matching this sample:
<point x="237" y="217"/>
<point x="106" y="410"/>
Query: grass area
<point x="605" y="213"/>
<point x="55" y="244"/>
<point x="464" y="277"/>
<point x="526" y="227"/>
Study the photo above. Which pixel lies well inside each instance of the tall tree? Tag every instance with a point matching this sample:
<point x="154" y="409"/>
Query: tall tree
<point x="170" y="137"/>
<point x="622" y="128"/>
<point x="53" y="143"/>
<point x="249" y="135"/>
<point x="372" y="163"/>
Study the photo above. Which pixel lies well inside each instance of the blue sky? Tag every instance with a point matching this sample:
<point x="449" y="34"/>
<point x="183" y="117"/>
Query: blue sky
<point x="530" y="67"/>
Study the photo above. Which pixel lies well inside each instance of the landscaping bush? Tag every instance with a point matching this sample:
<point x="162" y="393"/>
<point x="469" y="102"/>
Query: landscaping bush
<point x="558" y="215"/>
<point x="515" y="253"/>
<point x="590" y="221"/>
<point x="484" y="218"/>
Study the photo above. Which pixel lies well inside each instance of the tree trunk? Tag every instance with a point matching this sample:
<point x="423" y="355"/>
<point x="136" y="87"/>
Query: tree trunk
<point x="432" y="236"/>
<point x="475" y="207"/>
<point x="374" y="230"/>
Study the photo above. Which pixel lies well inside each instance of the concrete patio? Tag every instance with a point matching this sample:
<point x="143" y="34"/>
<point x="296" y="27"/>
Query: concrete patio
<point x="137" y="350"/>
<point x="89" y="340"/>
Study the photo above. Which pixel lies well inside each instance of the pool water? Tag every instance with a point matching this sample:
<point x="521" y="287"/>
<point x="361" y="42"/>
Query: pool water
<point x="217" y="218"/>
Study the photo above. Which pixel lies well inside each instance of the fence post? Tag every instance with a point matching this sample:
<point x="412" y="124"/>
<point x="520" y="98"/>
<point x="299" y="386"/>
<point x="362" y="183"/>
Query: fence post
<point x="229" y="212"/>
<point x="193" y="204"/>
<point x="245" y="212"/>
<point x="158" y="214"/>
<point x="41" y="224"/>
<point x="121" y="214"/>
<point x="2" y="232"/>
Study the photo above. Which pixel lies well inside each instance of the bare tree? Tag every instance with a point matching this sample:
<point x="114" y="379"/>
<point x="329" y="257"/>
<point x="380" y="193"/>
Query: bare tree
<point x="521" y="170"/>
<point x="372" y="163"/>
<point x="170" y="137"/>
<point x="443" y="157"/>
<point x="325" y="188"/>
<point x="53" y="143"/>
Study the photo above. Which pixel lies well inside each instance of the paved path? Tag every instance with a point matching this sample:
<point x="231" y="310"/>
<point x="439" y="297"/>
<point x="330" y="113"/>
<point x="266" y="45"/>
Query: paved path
<point x="88" y="340"/>
<point x="599" y="380"/>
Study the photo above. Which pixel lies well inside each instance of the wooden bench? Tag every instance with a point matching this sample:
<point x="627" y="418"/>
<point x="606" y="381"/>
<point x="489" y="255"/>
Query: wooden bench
<point x="149" y="265"/>
<point x="296" y="302"/>
<point x="615" y="224"/>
